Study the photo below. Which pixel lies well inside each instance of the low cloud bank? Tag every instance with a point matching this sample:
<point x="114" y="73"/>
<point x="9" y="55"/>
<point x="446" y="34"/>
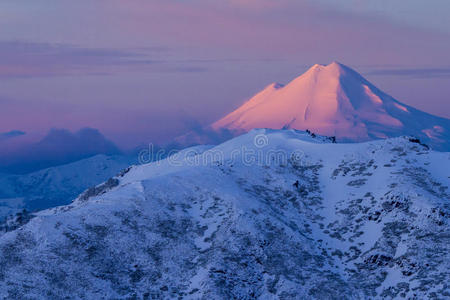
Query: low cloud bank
<point x="11" y="134"/>
<point x="59" y="146"/>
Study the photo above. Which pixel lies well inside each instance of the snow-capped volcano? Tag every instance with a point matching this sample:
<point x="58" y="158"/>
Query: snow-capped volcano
<point x="335" y="100"/>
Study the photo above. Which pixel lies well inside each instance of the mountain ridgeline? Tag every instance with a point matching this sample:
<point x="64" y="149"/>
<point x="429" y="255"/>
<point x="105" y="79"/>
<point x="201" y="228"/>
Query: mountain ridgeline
<point x="271" y="214"/>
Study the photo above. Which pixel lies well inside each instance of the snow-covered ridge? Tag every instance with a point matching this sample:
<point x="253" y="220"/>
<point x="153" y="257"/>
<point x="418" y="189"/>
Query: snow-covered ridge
<point x="56" y="185"/>
<point x="335" y="100"/>
<point x="365" y="220"/>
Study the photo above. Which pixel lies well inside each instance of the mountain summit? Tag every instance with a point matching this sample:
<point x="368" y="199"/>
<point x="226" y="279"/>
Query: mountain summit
<point x="335" y="100"/>
<point x="235" y="221"/>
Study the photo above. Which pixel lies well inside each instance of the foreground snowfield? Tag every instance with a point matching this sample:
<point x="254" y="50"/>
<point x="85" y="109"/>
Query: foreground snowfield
<point x="269" y="214"/>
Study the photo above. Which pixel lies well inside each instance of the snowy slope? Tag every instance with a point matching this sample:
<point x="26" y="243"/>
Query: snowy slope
<point x="57" y="185"/>
<point x="269" y="214"/>
<point x="335" y="100"/>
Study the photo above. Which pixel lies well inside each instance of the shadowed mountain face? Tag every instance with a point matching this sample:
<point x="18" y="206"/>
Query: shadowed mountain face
<point x="58" y="185"/>
<point x="335" y="100"/>
<point x="58" y="147"/>
<point x="269" y="215"/>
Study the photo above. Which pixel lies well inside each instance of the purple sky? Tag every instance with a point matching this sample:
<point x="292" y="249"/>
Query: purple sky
<point x="142" y="70"/>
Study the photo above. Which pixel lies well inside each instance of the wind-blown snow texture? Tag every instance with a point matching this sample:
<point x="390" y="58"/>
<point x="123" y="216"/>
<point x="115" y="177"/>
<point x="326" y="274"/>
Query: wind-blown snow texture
<point x="304" y="218"/>
<point x="335" y="100"/>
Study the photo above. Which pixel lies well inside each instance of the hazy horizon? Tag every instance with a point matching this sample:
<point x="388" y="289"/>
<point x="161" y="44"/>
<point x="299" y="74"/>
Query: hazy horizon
<point x="142" y="72"/>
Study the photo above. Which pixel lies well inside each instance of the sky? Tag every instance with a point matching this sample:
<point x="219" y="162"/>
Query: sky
<point x="144" y="71"/>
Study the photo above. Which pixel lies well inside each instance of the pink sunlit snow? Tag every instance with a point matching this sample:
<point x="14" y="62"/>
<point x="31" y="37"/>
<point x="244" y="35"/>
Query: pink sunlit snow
<point x="333" y="100"/>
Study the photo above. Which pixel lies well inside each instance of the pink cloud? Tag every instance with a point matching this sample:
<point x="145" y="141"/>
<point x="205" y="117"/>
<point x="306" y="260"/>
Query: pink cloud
<point x="219" y="48"/>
